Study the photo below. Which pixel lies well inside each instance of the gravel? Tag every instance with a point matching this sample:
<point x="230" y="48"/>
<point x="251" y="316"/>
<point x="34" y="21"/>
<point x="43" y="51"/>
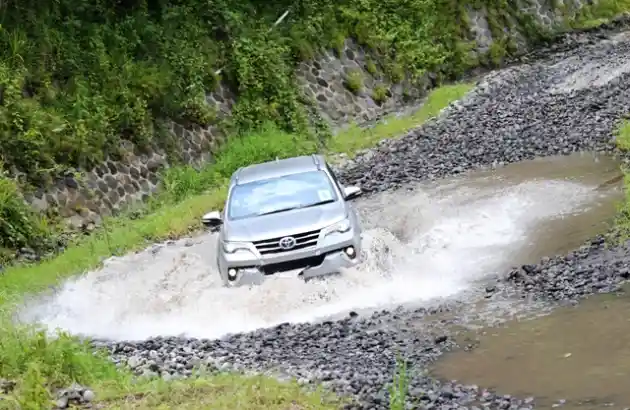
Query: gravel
<point x="595" y="267"/>
<point x="509" y="117"/>
<point x="517" y="114"/>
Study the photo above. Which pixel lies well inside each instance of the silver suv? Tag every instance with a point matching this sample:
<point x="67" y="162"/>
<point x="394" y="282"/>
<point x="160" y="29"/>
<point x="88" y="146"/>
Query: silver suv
<point x="286" y="215"/>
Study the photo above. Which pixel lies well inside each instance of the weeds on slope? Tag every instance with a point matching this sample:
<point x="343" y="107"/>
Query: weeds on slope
<point x="599" y="13"/>
<point x="355" y="138"/>
<point x="400" y="386"/>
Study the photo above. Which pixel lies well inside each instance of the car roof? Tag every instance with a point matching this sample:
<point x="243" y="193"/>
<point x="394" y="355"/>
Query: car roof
<point x="278" y="168"/>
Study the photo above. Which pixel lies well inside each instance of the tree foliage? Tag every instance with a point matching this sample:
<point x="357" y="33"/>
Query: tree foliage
<point x="77" y="77"/>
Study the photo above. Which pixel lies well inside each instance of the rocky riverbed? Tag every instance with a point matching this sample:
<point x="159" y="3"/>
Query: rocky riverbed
<point x="569" y="101"/>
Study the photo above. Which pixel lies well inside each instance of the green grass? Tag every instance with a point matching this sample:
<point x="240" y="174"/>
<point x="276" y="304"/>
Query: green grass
<point x="622" y="139"/>
<point x="35" y="361"/>
<point x="400" y="387"/>
<point x="355" y="138"/>
<point x="599" y="13"/>
<point x="223" y="392"/>
<point x="40" y="364"/>
<point x="622" y="135"/>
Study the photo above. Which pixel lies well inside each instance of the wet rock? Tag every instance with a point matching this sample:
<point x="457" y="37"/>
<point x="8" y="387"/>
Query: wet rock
<point x="441" y="339"/>
<point x="62" y="403"/>
<point x="74" y="396"/>
<point x="88" y="396"/>
<point x="6" y="386"/>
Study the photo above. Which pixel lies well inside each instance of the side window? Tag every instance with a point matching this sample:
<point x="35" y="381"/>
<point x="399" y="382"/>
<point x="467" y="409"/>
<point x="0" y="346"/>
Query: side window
<point x="334" y="178"/>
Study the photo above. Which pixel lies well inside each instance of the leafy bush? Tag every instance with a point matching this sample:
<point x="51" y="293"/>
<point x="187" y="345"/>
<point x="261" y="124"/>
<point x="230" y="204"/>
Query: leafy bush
<point x="79" y="76"/>
<point x="380" y="94"/>
<point x="354" y="82"/>
<point x="19" y="225"/>
<point x="76" y="78"/>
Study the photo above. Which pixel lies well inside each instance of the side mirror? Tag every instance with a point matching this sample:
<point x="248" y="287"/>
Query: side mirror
<point x="212" y="220"/>
<point x="352" y="192"/>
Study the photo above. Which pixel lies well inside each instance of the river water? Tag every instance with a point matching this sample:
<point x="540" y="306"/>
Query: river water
<point x="423" y="243"/>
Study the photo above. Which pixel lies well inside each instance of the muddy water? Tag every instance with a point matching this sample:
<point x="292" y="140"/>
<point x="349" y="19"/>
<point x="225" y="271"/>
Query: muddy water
<point x="561" y="234"/>
<point x="557" y="234"/>
<point x="577" y="355"/>
<point x="421" y="244"/>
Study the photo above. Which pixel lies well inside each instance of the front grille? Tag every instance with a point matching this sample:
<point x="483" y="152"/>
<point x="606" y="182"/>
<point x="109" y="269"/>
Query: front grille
<point x="294" y="264"/>
<point x="302" y="241"/>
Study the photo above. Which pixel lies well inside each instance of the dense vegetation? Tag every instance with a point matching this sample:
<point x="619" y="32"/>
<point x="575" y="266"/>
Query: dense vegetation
<point x="79" y="76"/>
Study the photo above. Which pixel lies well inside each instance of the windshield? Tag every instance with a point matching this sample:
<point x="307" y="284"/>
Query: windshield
<point x="280" y="194"/>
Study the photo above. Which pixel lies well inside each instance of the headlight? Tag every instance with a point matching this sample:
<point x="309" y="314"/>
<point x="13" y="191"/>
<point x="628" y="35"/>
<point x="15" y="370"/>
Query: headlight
<point x="232" y="247"/>
<point x="340" y="227"/>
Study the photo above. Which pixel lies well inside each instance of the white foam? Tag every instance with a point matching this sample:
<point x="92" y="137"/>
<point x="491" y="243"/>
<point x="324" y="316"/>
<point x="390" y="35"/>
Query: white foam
<point x="419" y="246"/>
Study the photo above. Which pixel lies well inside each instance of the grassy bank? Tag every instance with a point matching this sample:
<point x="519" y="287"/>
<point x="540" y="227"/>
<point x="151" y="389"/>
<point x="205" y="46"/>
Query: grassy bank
<point x="188" y="194"/>
<point x="355" y="138"/>
<point x="39" y="365"/>
<point x="224" y="392"/>
<point x="622" y="139"/>
<point x="599" y="14"/>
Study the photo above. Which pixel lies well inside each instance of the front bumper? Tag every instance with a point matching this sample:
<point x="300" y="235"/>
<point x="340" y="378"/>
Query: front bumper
<point x="329" y="257"/>
<point x="333" y="262"/>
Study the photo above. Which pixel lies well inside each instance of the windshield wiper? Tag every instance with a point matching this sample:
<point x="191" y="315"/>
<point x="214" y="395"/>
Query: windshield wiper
<point x="328" y="201"/>
<point x="290" y="208"/>
<point x="279" y="210"/>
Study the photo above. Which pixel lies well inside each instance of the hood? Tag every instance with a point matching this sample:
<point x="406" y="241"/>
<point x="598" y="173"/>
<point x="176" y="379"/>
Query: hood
<point x="284" y="223"/>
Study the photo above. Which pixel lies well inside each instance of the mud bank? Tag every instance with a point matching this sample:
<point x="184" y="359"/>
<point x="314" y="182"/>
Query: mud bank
<point x="567" y="103"/>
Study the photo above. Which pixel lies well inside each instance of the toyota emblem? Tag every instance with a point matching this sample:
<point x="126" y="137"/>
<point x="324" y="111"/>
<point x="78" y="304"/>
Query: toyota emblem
<point x="287" y="242"/>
